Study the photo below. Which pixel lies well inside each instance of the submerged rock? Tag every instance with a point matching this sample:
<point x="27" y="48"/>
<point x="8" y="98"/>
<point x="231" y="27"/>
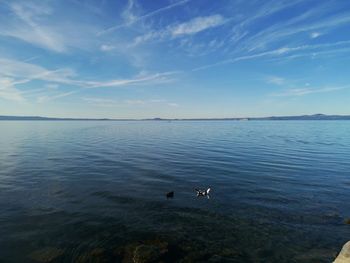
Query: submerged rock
<point x="47" y="255"/>
<point x="315" y="255"/>
<point x="344" y="255"/>
<point x="147" y="252"/>
<point x="347" y="221"/>
<point x="97" y="255"/>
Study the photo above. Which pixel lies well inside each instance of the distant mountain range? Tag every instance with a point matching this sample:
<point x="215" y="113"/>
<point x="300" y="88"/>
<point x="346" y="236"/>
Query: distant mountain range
<point x="38" y="118"/>
<point x="273" y="118"/>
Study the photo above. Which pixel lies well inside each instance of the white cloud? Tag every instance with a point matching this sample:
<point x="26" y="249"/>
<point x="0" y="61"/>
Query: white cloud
<point x="197" y="25"/>
<point x="107" y="47"/>
<point x="315" y="34"/>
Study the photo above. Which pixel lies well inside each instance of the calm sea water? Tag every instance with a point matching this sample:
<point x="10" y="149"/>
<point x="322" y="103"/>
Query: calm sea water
<point x="89" y="191"/>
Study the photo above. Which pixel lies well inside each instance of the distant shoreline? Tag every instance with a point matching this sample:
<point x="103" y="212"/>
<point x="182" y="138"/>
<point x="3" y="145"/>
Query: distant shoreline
<point x="271" y="118"/>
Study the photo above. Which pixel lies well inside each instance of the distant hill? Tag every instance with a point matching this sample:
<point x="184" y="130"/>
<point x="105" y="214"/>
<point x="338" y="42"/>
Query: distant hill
<point x="272" y="118"/>
<point x="306" y="117"/>
<point x="276" y="118"/>
<point x="38" y="118"/>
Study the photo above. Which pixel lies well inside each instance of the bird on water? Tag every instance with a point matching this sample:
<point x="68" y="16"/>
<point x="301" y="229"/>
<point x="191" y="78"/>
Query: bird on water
<point x="203" y="192"/>
<point x="170" y="195"/>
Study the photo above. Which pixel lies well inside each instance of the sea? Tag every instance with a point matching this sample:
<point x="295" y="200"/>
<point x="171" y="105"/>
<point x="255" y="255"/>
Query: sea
<point x="95" y="191"/>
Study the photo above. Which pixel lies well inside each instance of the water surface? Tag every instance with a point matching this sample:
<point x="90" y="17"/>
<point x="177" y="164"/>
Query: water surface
<point x="85" y="191"/>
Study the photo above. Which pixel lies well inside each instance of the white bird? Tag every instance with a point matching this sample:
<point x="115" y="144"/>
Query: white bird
<point x="203" y="192"/>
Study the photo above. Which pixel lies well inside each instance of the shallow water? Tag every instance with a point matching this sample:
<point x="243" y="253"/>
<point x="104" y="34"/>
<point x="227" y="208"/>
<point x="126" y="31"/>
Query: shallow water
<point x="84" y="191"/>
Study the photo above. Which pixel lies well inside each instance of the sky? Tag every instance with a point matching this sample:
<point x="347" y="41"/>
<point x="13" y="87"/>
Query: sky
<point x="174" y="58"/>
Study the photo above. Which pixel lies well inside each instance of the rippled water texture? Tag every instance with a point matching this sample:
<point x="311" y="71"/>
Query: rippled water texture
<point x="80" y="191"/>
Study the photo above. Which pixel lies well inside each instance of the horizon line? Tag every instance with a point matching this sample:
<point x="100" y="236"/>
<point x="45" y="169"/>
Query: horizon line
<point x="32" y="117"/>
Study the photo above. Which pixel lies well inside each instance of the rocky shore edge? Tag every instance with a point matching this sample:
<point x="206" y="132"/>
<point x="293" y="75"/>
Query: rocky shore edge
<point x="344" y="255"/>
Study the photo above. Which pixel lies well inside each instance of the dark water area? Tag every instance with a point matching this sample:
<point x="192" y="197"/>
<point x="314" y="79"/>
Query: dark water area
<point x="84" y="191"/>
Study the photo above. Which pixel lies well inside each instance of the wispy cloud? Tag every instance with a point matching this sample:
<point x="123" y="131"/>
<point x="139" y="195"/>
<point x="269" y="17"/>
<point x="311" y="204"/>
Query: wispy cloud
<point x="307" y="91"/>
<point x="172" y="104"/>
<point x="27" y="72"/>
<point x="196" y="25"/>
<point x="151" y="102"/>
<point x="191" y="27"/>
<point x="143" y="79"/>
<point x="106" y="47"/>
<point x="17" y="72"/>
<point x="131" y="19"/>
<point x="241" y="30"/>
<point x="283" y="31"/>
<point x="275" y="80"/>
<point x="47" y="98"/>
<point x="309" y="50"/>
<point x="29" y="29"/>
<point x="315" y="34"/>
<point x="103" y="102"/>
<point x="98" y="100"/>
<point x="50" y="51"/>
<point x="8" y="90"/>
<point x="45" y="25"/>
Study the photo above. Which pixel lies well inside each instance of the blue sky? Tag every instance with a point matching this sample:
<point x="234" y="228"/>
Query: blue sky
<point x="174" y="58"/>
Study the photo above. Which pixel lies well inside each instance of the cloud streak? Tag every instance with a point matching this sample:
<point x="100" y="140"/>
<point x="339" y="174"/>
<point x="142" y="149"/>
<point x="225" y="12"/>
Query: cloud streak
<point x="276" y="80"/>
<point x="191" y="27"/>
<point x="137" y="19"/>
<point x="8" y="90"/>
<point x="102" y="102"/>
<point x="17" y="72"/>
<point x="197" y="25"/>
<point x="29" y="30"/>
<point x="307" y="91"/>
<point x="279" y="52"/>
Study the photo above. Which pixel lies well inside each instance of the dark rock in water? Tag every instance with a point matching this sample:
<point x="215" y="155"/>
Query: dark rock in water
<point x="315" y="255"/>
<point x="147" y="252"/>
<point x="170" y="194"/>
<point x="347" y="221"/>
<point x="215" y="259"/>
<point x="46" y="255"/>
<point x="97" y="255"/>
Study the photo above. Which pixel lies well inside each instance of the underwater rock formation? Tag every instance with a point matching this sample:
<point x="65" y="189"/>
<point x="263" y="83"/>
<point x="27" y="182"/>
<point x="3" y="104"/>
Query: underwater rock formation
<point x="145" y="252"/>
<point x="47" y="255"/>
